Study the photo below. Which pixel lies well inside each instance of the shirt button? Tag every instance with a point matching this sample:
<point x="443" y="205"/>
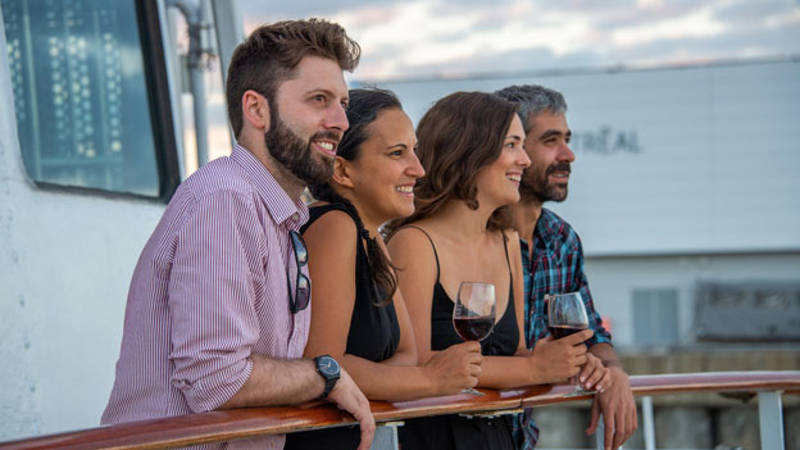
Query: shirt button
<point x="295" y="217"/>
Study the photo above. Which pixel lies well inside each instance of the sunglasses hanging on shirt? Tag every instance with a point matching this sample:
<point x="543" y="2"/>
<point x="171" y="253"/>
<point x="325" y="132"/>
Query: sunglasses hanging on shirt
<point x="300" y="297"/>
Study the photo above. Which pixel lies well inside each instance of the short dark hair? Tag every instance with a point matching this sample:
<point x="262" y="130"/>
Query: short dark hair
<point x="272" y="52"/>
<point x="363" y="109"/>
<point x="532" y="100"/>
<point x="458" y="136"/>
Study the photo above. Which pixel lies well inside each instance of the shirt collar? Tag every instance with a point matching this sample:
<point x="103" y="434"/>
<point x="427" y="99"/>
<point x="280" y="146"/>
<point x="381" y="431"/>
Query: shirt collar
<point x="280" y="206"/>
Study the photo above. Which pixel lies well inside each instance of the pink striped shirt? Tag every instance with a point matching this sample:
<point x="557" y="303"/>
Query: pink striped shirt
<point x="208" y="291"/>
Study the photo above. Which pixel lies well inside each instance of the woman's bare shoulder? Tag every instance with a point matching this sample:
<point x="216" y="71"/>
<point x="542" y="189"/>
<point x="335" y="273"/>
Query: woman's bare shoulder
<point x="334" y="222"/>
<point x="411" y="243"/>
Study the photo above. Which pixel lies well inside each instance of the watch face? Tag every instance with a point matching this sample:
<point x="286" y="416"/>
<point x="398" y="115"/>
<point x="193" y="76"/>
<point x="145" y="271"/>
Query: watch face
<point x="328" y="366"/>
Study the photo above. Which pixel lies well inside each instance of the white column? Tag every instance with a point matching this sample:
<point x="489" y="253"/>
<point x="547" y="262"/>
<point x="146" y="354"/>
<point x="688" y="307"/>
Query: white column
<point x="647" y="423"/>
<point x="770" y="415"/>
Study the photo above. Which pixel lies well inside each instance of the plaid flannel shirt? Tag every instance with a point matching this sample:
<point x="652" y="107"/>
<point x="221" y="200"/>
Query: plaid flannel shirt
<point x="556" y="267"/>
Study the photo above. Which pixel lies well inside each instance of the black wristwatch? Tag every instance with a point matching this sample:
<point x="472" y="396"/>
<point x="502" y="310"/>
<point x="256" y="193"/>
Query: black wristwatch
<point x="329" y="369"/>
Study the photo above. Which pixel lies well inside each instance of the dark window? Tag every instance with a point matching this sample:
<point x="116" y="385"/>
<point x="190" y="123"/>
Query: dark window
<point x="747" y="311"/>
<point x="83" y="97"/>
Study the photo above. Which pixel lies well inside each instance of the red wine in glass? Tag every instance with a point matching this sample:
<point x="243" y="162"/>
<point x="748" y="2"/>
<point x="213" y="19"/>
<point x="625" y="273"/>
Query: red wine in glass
<point x="473" y="313"/>
<point x="560" y="331"/>
<point x="473" y="328"/>
<point x="566" y="314"/>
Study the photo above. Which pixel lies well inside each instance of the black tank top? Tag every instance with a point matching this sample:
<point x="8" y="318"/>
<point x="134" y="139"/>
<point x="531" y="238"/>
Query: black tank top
<point x="504" y="338"/>
<point x="374" y="334"/>
<point x="374" y="330"/>
<point x="455" y="432"/>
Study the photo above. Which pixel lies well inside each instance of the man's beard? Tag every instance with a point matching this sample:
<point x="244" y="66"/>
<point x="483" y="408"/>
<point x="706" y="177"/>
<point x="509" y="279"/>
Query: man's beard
<point x="534" y="185"/>
<point x="295" y="154"/>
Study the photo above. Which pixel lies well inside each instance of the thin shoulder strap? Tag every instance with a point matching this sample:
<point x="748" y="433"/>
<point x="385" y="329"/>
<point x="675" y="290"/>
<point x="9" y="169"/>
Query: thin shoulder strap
<point x="435" y="253"/>
<point x="508" y="261"/>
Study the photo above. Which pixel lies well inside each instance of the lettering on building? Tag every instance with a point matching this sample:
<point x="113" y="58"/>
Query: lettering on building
<point x="606" y="141"/>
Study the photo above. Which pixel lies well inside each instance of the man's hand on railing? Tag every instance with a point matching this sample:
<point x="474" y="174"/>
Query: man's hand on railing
<point x="618" y="408"/>
<point x="347" y="396"/>
<point x="594" y="374"/>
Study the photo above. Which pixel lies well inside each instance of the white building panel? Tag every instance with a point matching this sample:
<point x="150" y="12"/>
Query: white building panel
<point x="674" y="160"/>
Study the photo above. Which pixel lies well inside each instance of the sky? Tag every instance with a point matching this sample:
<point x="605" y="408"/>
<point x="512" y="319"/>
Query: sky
<point x="436" y="38"/>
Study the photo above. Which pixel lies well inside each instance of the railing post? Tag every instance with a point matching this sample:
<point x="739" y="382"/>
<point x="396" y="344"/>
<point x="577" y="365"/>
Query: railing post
<point x="647" y="422"/>
<point x="770" y="415"/>
<point x="386" y="436"/>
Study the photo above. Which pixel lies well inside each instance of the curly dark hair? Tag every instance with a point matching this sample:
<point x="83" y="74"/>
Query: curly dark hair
<point x="363" y="109"/>
<point x="272" y="52"/>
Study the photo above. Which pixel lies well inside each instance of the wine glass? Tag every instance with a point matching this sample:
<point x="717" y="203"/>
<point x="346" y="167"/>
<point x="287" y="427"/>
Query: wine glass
<point x="473" y="314"/>
<point x="566" y="314"/>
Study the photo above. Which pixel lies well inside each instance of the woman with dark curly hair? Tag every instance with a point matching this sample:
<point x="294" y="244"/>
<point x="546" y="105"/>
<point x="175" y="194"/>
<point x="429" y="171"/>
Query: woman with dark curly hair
<point x="358" y="315"/>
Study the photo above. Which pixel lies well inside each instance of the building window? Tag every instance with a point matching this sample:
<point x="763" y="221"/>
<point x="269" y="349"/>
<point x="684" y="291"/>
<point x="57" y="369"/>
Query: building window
<point x="747" y="311"/>
<point x="655" y="317"/>
<point x="81" y="95"/>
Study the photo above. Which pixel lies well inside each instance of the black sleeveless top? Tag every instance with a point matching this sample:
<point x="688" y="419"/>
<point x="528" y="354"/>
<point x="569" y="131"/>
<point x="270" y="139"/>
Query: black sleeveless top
<point x="374" y="330"/>
<point x="455" y="431"/>
<point x="504" y="338"/>
<point x="374" y="333"/>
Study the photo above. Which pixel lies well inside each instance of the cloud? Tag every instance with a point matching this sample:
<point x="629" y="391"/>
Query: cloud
<point x="256" y="12"/>
<point x="699" y="23"/>
<point x="438" y="37"/>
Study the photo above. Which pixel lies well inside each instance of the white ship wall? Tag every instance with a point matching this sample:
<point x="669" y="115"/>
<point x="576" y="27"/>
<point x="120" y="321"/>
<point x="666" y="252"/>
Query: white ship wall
<point x="66" y="259"/>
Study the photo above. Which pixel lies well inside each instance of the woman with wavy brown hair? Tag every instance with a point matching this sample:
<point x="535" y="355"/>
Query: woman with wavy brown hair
<point x="358" y="316"/>
<point x="470" y="145"/>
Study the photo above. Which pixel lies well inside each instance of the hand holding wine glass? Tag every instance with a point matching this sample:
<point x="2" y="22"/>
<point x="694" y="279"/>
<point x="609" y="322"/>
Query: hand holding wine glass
<point x="566" y="314"/>
<point x="474" y="313"/>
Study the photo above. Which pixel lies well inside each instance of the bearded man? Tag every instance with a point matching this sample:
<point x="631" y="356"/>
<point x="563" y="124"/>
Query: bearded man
<point x="218" y="309"/>
<point x="552" y="259"/>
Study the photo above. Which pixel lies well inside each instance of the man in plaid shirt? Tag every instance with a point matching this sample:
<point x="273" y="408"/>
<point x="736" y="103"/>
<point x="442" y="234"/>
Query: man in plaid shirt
<point x="552" y="259"/>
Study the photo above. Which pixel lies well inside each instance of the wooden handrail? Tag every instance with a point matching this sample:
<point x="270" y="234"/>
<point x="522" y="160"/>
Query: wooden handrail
<point x="247" y="422"/>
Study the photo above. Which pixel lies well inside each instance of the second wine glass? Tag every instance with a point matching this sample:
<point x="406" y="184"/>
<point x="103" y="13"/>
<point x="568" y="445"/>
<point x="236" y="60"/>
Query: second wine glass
<point x="566" y="314"/>
<point x="474" y="313"/>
